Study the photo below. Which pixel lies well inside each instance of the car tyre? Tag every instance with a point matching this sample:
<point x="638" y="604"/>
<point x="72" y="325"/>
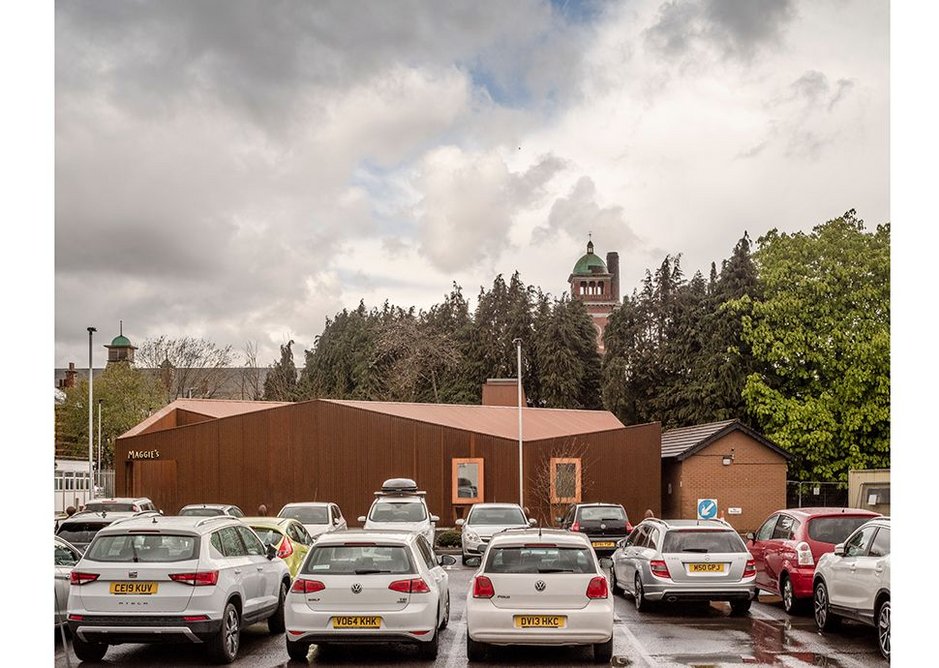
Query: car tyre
<point x="614" y="585"/>
<point x="465" y="559"/>
<point x="791" y="604"/>
<point x="224" y="646"/>
<point x="825" y="620"/>
<point x="475" y="651"/>
<point x="740" y="608"/>
<point x="88" y="651"/>
<point x="297" y="650"/>
<point x="603" y="652"/>
<point x="446" y="615"/>
<point x="428" y="650"/>
<point x="639" y="596"/>
<point x="883" y="629"/>
<point x="275" y="623"/>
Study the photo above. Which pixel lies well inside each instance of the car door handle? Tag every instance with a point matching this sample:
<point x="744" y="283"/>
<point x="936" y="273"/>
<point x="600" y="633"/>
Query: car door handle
<point x="260" y="568"/>
<point x="237" y="571"/>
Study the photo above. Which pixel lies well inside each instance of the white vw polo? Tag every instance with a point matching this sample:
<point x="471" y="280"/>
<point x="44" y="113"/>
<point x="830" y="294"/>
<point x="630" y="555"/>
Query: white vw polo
<point x="539" y="587"/>
<point x="366" y="586"/>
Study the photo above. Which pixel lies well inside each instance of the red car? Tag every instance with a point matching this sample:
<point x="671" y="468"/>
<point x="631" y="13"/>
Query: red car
<point x="790" y="543"/>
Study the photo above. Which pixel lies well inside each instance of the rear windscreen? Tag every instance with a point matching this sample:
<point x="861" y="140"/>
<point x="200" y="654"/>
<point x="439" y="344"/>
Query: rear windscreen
<point x="306" y="515"/>
<point x="392" y="511"/>
<point x="268" y="536"/>
<point x="111" y="507"/>
<point x="601" y="513"/>
<point x="80" y="532"/>
<point x="702" y="541"/>
<point x="201" y="512"/>
<point x="358" y="560"/>
<point x="541" y="559"/>
<point x="497" y="516"/>
<point x="834" y="530"/>
<point x="143" y="548"/>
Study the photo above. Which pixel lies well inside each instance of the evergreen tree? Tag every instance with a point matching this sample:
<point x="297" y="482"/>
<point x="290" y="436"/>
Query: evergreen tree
<point x="281" y="381"/>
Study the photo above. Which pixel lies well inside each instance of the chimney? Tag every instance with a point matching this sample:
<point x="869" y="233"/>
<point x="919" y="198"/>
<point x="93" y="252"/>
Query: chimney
<point x="612" y="266"/>
<point x="70" y="376"/>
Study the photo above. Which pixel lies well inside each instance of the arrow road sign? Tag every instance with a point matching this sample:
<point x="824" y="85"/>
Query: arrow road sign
<point x="707" y="509"/>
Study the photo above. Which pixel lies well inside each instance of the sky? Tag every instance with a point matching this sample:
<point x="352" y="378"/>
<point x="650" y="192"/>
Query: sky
<point x="240" y="171"/>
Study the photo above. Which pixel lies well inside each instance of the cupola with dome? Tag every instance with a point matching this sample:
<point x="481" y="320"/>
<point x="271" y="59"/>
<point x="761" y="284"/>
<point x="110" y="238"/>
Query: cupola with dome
<point x="121" y="349"/>
<point x="596" y="284"/>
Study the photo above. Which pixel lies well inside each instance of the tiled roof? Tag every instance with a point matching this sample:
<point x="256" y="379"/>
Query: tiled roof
<point x="685" y="441"/>
<point x="499" y="421"/>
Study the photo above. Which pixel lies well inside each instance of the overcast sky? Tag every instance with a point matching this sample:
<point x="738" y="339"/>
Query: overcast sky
<point x="240" y="171"/>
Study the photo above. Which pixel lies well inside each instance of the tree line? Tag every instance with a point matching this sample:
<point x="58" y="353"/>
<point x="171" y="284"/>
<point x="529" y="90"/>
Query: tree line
<point x="790" y="334"/>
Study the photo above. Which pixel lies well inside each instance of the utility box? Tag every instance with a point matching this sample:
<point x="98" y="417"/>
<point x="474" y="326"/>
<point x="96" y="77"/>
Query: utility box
<point x="869" y="489"/>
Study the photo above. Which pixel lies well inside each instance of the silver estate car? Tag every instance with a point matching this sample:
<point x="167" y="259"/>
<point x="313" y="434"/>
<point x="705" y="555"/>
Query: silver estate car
<point x="685" y="560"/>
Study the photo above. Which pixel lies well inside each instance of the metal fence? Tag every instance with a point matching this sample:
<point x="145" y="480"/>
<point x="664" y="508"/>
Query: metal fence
<point x="71" y="488"/>
<point x="812" y="493"/>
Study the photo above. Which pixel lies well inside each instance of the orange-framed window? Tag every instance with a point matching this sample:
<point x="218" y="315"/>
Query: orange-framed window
<point x="468" y="480"/>
<point x="565" y="480"/>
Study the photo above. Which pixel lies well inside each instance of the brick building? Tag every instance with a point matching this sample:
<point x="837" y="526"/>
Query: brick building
<point x="727" y="461"/>
<point x="596" y="284"/>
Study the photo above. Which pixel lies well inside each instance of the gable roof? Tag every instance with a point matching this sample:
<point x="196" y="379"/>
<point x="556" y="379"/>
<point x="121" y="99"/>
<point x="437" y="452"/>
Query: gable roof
<point x="500" y="421"/>
<point x="683" y="442"/>
<point x="211" y="408"/>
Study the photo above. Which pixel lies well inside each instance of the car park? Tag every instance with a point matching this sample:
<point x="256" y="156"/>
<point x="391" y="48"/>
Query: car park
<point x="318" y="517"/>
<point x="66" y="556"/>
<point x="210" y="510"/>
<point x="366" y="586"/>
<point x="853" y="582"/>
<point x="483" y="521"/>
<point x="81" y="528"/>
<point x="685" y="560"/>
<point x="120" y="505"/>
<point x="174" y="579"/>
<point x="539" y="587"/>
<point x="605" y="524"/>
<point x="286" y="535"/>
<point x="400" y="506"/>
<point x="789" y="544"/>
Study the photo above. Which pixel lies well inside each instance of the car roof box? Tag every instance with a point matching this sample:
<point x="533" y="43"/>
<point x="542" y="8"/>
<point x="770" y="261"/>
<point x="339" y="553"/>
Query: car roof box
<point x="399" y="486"/>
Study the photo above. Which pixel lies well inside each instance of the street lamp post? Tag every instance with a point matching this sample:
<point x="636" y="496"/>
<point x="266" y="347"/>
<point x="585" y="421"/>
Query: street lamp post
<point x="99" y="442"/>
<point x="91" y="414"/>
<point x="521" y="495"/>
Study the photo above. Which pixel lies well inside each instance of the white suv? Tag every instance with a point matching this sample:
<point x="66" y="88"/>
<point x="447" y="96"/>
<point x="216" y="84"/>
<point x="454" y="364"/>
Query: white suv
<point x="166" y="579"/>
<point x="369" y="586"/>
<point x="485" y="520"/>
<point x="399" y="506"/>
<point x="539" y="587"/>
<point x="853" y="582"/>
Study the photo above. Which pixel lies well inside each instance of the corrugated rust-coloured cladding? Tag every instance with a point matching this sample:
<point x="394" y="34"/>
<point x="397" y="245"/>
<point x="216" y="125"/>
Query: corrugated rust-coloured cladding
<point x="330" y="450"/>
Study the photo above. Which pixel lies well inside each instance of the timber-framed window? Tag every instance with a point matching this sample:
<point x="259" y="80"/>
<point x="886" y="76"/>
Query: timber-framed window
<point x="468" y="480"/>
<point x="565" y="479"/>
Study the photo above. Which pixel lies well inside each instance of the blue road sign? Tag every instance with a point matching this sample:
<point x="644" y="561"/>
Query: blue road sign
<point x="707" y="509"/>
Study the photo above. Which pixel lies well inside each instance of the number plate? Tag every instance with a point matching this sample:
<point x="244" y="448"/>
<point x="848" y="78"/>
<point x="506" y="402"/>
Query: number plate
<point x="604" y="543"/>
<point x="540" y="621"/>
<point x="357" y="622"/>
<point x="134" y="588"/>
<point x="705" y="568"/>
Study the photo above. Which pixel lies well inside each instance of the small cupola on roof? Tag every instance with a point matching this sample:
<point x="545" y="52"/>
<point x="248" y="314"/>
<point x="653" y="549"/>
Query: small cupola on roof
<point x="121" y="349"/>
<point x="589" y="263"/>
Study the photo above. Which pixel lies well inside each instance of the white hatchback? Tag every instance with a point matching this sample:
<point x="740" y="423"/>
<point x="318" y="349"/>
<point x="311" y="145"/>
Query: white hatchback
<point x="362" y="586"/>
<point x="174" y="579"/>
<point x="539" y="587"/>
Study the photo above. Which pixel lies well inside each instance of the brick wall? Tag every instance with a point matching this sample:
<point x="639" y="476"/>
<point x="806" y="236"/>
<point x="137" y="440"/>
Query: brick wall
<point x="755" y="482"/>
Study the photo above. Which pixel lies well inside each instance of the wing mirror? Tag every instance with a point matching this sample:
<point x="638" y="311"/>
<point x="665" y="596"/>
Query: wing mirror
<point x="336" y="521"/>
<point x="839" y="549"/>
<point x="271" y="551"/>
<point x="532" y="522"/>
<point x="446" y="560"/>
<point x="362" y="518"/>
<point x="460" y="522"/>
<point x="434" y="518"/>
<point x="751" y="536"/>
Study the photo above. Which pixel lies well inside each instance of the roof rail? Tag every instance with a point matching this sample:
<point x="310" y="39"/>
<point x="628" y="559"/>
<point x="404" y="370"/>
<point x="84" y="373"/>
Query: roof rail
<point x="214" y="518"/>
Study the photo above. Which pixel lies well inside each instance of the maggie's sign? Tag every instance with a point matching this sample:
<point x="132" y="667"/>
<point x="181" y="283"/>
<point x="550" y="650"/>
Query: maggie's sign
<point x="143" y="454"/>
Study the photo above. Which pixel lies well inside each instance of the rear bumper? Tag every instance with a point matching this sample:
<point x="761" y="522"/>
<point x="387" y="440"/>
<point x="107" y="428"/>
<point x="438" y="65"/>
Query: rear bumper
<point x="672" y="591"/>
<point x="802" y="578"/>
<point x="307" y="625"/>
<point x="115" y="630"/>
<point x="589" y="625"/>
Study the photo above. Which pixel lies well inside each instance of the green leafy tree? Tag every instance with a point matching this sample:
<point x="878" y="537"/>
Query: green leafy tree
<point x="281" y="381"/>
<point x="822" y="328"/>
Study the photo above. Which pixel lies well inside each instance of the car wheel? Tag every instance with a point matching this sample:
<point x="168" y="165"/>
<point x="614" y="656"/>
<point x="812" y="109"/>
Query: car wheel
<point x="614" y="585"/>
<point x="740" y="608"/>
<point x="297" y="651"/>
<point x="465" y="559"/>
<point x="475" y="651"/>
<point x="275" y="623"/>
<point x="88" y="651"/>
<point x="428" y="650"/>
<point x="446" y="615"/>
<point x="824" y="619"/>
<point x="224" y="647"/>
<point x="883" y="629"/>
<point x="639" y="596"/>
<point x="791" y="604"/>
<point x="603" y="652"/>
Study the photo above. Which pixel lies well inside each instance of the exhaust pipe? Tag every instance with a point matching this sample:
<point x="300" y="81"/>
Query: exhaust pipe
<point x="671" y="599"/>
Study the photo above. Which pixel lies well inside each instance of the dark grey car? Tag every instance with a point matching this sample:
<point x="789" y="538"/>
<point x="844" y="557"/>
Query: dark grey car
<point x="685" y="560"/>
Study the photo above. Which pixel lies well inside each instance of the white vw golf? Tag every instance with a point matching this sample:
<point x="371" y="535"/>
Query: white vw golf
<point x="539" y="587"/>
<point x="366" y="586"/>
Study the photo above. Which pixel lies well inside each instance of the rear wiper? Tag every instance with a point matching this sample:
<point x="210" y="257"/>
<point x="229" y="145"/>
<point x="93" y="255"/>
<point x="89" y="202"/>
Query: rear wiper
<point x="555" y="570"/>
<point x="369" y="571"/>
<point x="695" y="549"/>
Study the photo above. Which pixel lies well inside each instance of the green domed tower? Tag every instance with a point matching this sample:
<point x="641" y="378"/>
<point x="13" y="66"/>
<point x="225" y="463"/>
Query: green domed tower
<point x="596" y="284"/>
<point x="121" y="349"/>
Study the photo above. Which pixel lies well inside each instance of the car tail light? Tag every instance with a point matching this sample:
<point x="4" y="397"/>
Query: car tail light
<point x="76" y="618"/>
<point x="750" y="569"/>
<point x="77" y="578"/>
<point x="482" y="587"/>
<point x="200" y="579"/>
<point x="659" y="568"/>
<point x="415" y="586"/>
<point x="598" y="588"/>
<point x="575" y="526"/>
<point x="302" y="586"/>
<point x="804" y="554"/>
<point x="285" y="549"/>
<point x="629" y="528"/>
<point x="420" y="633"/>
<point x="196" y="618"/>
